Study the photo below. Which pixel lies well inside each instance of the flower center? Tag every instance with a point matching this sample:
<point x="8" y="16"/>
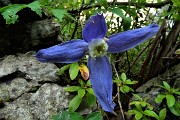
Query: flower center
<point x="97" y="47"/>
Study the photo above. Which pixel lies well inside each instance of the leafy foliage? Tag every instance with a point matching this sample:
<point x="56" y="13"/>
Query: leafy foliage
<point x="170" y="96"/>
<point x="124" y="82"/>
<point x="64" y="115"/>
<point x="142" y="110"/>
<point x="84" y="90"/>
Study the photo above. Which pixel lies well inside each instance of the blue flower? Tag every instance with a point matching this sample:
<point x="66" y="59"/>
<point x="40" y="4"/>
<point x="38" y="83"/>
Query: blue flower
<point x="95" y="43"/>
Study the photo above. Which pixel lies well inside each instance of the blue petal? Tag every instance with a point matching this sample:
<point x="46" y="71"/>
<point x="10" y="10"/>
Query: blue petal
<point x="68" y="52"/>
<point x="95" y="28"/>
<point x="129" y="39"/>
<point x="101" y="80"/>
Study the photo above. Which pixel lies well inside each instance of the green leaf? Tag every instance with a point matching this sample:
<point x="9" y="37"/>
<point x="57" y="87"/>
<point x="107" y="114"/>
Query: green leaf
<point x="138" y="115"/>
<point x="123" y="76"/>
<point x="124" y="89"/>
<point x="81" y="82"/>
<point x="73" y="70"/>
<point x="72" y="88"/>
<point x="129" y="82"/>
<point x="151" y="114"/>
<point x="91" y="100"/>
<point x="170" y="100"/>
<point x="59" y="13"/>
<point x="81" y="92"/>
<point x="178" y="92"/>
<point x="94" y="116"/>
<point x="137" y="96"/>
<point x="36" y="7"/>
<point x="175" y="109"/>
<point x="117" y="81"/>
<point x="138" y="106"/>
<point x="64" y="115"/>
<point x="131" y="112"/>
<point x="44" y="2"/>
<point x="143" y="103"/>
<point x="166" y="85"/>
<point x="90" y="90"/>
<point x="88" y="83"/>
<point x="9" y="13"/>
<point x="176" y="2"/>
<point x="75" y="116"/>
<point x="74" y="103"/>
<point x="159" y="98"/>
<point x="149" y="106"/>
<point x="62" y="69"/>
<point x="162" y="114"/>
<point x="126" y="20"/>
<point x="55" y="117"/>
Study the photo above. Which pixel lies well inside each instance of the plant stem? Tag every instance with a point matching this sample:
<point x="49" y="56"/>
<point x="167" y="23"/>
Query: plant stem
<point x="118" y="93"/>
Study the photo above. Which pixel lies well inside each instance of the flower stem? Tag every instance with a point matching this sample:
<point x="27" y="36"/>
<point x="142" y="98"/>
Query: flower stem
<point x="118" y="92"/>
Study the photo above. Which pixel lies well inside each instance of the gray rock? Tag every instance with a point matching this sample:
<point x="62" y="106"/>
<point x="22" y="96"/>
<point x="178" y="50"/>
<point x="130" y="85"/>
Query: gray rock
<point x="13" y="89"/>
<point x="8" y="65"/>
<point x="43" y="29"/>
<point x="36" y="71"/>
<point x="18" y="109"/>
<point x="47" y="101"/>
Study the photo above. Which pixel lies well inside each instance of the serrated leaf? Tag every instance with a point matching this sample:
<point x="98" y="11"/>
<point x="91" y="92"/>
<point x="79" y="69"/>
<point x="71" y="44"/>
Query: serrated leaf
<point x="162" y="114"/>
<point x="91" y="100"/>
<point x="94" y="116"/>
<point x="123" y="76"/>
<point x="59" y="13"/>
<point x="90" y="90"/>
<point x="73" y="70"/>
<point x="159" y="98"/>
<point x="74" y="103"/>
<point x="72" y="88"/>
<point x="151" y="114"/>
<point x="170" y="100"/>
<point x="166" y="85"/>
<point x="36" y="7"/>
<point x="9" y="13"/>
<point x="62" y="69"/>
<point x="75" y="116"/>
<point x="81" y="92"/>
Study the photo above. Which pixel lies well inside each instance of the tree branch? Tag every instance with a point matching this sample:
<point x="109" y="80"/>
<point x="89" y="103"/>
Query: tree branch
<point x="152" y="5"/>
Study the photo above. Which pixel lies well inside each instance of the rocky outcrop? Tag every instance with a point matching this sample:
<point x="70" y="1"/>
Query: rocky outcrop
<point x="28" y="89"/>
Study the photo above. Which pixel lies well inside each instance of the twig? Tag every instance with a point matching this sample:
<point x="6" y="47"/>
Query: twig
<point x="118" y="95"/>
<point x="76" y="25"/>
